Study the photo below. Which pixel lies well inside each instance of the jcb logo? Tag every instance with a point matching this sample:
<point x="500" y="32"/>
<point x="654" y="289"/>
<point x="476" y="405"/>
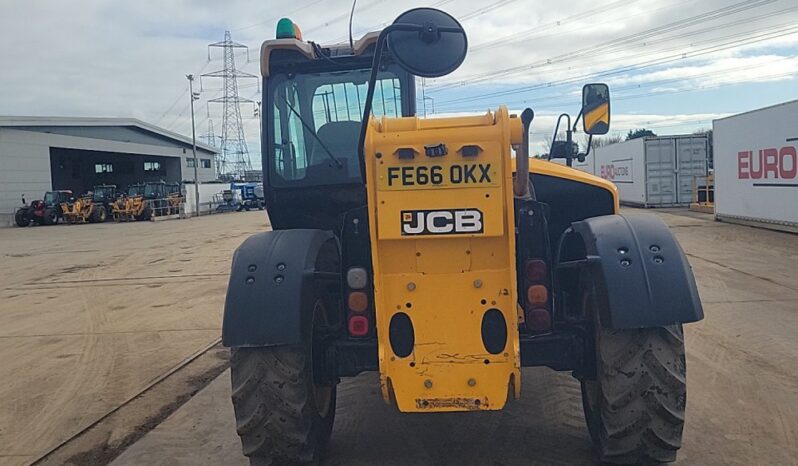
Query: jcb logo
<point x="441" y="222"/>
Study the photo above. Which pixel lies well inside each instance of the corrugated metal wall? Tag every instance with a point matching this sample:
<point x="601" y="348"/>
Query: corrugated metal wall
<point x="657" y="171"/>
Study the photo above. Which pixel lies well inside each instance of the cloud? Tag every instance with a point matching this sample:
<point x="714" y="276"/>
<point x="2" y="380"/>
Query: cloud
<point x="117" y="58"/>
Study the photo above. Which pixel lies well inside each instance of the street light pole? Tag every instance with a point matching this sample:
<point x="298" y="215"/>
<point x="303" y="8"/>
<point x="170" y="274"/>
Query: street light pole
<point x="260" y="123"/>
<point x="193" y="97"/>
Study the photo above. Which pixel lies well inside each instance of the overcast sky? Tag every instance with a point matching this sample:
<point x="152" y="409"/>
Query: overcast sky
<point x="672" y="65"/>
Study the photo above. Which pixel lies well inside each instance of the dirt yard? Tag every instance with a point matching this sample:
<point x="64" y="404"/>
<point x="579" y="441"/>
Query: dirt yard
<point x="742" y="369"/>
<point x="92" y="314"/>
<point x="89" y="315"/>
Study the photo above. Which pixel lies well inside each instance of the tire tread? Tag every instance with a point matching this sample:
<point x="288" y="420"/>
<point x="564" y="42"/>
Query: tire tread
<point x="274" y="407"/>
<point x="643" y="392"/>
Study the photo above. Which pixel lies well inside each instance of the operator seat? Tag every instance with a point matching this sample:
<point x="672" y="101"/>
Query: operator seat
<point x="341" y="138"/>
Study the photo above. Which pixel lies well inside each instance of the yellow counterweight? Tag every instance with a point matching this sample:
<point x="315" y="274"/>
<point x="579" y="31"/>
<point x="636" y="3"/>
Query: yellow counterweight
<point x="443" y="253"/>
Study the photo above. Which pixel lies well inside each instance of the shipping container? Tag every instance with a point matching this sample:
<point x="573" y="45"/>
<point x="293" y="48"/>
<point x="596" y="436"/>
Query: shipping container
<point x="656" y="171"/>
<point x="756" y="167"/>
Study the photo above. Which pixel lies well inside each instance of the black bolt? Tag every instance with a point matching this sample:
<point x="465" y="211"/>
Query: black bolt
<point x="653" y="248"/>
<point x="280" y="266"/>
<point x="658" y="260"/>
<point x="622" y="250"/>
<point x="250" y="280"/>
<point x="626" y="262"/>
<point x="252" y="267"/>
<point x="278" y="279"/>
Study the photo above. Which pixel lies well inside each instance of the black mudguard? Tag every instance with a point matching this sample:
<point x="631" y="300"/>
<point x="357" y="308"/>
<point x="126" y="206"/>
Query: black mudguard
<point x="642" y="275"/>
<point x="276" y="279"/>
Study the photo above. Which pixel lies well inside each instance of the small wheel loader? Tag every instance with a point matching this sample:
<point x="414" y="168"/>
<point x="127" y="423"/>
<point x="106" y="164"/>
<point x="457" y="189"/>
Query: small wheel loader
<point x="436" y="252"/>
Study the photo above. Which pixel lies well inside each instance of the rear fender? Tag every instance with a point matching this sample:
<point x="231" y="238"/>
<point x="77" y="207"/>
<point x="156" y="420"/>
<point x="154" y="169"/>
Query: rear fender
<point x="275" y="281"/>
<point x="642" y="276"/>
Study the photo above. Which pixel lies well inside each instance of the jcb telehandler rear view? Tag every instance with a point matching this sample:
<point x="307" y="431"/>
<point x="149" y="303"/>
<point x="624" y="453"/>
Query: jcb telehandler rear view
<point x="422" y="249"/>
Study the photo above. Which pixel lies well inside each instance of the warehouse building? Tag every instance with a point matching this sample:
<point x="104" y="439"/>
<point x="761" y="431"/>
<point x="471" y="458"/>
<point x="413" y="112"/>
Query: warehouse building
<point x="39" y="154"/>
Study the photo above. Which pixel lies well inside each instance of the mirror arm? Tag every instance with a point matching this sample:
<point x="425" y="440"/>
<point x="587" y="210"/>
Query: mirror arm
<point x="589" y="144"/>
<point x="576" y="122"/>
<point x="375" y="67"/>
<point x="556" y="130"/>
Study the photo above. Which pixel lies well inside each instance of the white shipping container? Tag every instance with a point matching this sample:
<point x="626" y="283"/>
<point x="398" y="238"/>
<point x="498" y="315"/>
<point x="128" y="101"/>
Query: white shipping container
<point x="589" y="165"/>
<point x="657" y="171"/>
<point x="756" y="167"/>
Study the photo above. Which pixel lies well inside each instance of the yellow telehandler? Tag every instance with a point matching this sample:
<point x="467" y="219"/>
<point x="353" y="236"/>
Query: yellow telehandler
<point x="131" y="205"/>
<point x="436" y="252"/>
<point x="83" y="210"/>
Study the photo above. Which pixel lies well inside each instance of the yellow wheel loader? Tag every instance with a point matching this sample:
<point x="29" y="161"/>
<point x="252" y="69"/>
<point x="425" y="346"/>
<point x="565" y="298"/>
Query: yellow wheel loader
<point x="436" y="252"/>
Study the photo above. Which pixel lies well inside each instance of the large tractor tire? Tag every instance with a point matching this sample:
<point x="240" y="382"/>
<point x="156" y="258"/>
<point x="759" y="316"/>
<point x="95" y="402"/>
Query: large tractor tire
<point x="635" y="407"/>
<point x="283" y="416"/>
<point x="22" y="218"/>
<point x="50" y="216"/>
<point x="146" y="213"/>
<point x="100" y="214"/>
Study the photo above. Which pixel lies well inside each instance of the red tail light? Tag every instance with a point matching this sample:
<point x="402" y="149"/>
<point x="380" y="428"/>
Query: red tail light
<point x="538" y="320"/>
<point x="535" y="270"/>
<point x="358" y="326"/>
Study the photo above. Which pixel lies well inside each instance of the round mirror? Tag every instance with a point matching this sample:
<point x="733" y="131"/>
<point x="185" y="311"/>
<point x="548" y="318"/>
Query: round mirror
<point x="428" y="42"/>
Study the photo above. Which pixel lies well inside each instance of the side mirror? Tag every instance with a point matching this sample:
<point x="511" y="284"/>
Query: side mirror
<point x="424" y="41"/>
<point x="596" y="108"/>
<point x="427" y="42"/>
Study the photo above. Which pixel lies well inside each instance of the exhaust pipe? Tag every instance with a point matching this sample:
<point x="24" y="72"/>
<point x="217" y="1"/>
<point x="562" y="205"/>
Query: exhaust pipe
<point x="521" y="187"/>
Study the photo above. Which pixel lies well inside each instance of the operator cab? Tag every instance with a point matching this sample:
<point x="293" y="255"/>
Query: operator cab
<point x="104" y="193"/>
<point x="313" y="103"/>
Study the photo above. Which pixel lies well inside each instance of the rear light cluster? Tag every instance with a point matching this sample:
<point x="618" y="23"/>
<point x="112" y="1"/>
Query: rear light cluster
<point x="537" y="310"/>
<point x="357" y="301"/>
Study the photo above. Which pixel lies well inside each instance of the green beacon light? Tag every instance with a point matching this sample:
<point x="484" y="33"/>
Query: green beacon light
<point x="286" y="29"/>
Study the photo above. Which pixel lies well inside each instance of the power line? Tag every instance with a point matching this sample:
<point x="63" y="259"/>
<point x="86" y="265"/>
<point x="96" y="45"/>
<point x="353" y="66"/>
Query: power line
<point x="181" y="96"/>
<point x="344" y="16"/>
<point x="485" y="9"/>
<point x="632" y="87"/>
<point x="746" y="39"/>
<point x="612" y="44"/>
<point x="275" y="18"/>
<point x="381" y="25"/>
<point x="537" y="30"/>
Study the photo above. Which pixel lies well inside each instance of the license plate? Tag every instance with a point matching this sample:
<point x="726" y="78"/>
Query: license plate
<point x="442" y="175"/>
